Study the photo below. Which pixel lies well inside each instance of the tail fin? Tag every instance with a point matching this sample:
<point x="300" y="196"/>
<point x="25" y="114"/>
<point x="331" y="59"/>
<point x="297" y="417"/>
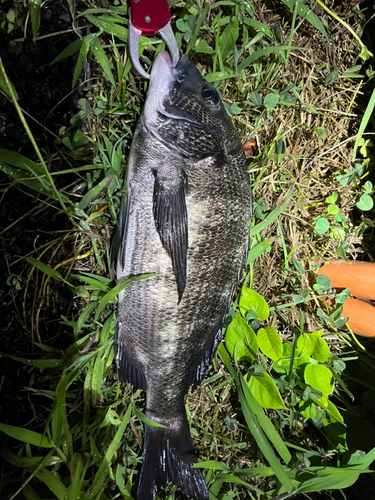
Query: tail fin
<point x="168" y="456"/>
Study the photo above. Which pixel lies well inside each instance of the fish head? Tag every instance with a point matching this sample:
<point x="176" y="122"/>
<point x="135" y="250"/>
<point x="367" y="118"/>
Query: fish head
<point x="184" y="111"/>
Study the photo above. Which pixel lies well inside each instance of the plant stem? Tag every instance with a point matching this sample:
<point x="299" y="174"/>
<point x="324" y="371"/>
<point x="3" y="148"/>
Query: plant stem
<point x="362" y="45"/>
<point x="31" y="137"/>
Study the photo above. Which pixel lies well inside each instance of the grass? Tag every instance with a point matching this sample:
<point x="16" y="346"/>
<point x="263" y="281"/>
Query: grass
<point x="276" y="415"/>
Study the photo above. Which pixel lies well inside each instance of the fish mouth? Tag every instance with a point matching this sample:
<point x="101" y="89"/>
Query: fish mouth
<point x="163" y="67"/>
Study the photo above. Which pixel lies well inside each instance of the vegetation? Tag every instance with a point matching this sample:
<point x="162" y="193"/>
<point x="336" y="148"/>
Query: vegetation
<point x="276" y="415"/>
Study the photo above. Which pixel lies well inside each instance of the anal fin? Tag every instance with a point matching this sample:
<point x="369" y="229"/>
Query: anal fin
<point x="128" y="371"/>
<point x="199" y="368"/>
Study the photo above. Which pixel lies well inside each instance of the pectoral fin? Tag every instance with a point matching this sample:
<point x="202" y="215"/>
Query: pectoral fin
<point x="171" y="223"/>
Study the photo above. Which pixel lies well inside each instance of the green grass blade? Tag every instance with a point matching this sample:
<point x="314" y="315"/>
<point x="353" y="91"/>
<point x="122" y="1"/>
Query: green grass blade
<point x="27" y="180"/>
<point x="262" y="441"/>
<point x="34" y="10"/>
<point x="4" y="87"/>
<point x="364" y="122"/>
<point x="100" y="476"/>
<point x="30" y="494"/>
<point x="53" y="483"/>
<point x="306" y="13"/>
<point x="254" y="426"/>
<point x="39" y="363"/>
<point x="76" y="468"/>
<point x="20" y="161"/>
<point x="257" y="251"/>
<point x="266" y="424"/>
<point x="46" y="172"/>
<point x="98" y="51"/>
<point x="272" y="216"/>
<point x="200" y="20"/>
<point x="27" y="436"/>
<point x="264" y="52"/>
<point x="116" y="290"/>
<point x="60" y="404"/>
<point x="46" y="269"/>
<point x="317" y="479"/>
<point x="112" y="28"/>
<point x="83" y="51"/>
<point x="68" y="51"/>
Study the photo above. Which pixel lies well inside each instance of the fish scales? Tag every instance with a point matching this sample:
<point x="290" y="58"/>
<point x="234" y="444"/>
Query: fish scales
<point x="185" y="217"/>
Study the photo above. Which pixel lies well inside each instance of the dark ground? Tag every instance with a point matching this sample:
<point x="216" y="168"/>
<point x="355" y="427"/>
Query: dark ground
<point x="44" y="93"/>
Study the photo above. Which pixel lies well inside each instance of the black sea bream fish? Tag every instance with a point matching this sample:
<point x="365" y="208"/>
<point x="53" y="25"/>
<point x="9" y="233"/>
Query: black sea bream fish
<point x="185" y="217"/>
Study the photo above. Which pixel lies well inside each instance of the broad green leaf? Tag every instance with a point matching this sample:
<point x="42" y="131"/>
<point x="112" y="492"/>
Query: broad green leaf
<point x="31" y="462"/>
<point x="27" y="436"/>
<point x="365" y="203"/>
<point x="265" y="392"/>
<point x="333" y="412"/>
<point x="321" y="133"/>
<point x="20" y="161"/>
<point x="312" y="344"/>
<point x="271" y="100"/>
<point x="368" y="114"/>
<point x="97" y="378"/>
<point x="218" y="76"/>
<point x="62" y="418"/>
<point x="321" y="226"/>
<point x="320" y="378"/>
<point x="254" y="303"/>
<point x="38" y="185"/>
<point x="331" y="78"/>
<point x="270" y="343"/>
<point x="116" y="290"/>
<point x="204" y="48"/>
<point x="228" y="37"/>
<point x="240" y="339"/>
<point x="308" y="409"/>
<point x="29" y="493"/>
<point x="84" y="316"/>
<point x="40" y="363"/>
<point x="256" y="99"/>
<point x="101" y="57"/>
<point x="317" y="479"/>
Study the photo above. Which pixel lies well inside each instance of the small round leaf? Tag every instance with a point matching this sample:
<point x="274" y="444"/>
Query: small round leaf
<point x="321" y="226"/>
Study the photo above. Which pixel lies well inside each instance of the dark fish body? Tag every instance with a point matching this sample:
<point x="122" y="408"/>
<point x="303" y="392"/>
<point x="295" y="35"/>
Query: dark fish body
<point x="185" y="217"/>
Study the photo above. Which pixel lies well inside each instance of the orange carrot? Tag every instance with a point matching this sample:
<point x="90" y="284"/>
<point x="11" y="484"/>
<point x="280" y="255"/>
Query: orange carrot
<point x="358" y="277"/>
<point x="361" y="317"/>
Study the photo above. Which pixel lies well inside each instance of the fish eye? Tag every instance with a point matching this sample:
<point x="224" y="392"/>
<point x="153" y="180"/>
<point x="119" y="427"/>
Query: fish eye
<point x="210" y="97"/>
